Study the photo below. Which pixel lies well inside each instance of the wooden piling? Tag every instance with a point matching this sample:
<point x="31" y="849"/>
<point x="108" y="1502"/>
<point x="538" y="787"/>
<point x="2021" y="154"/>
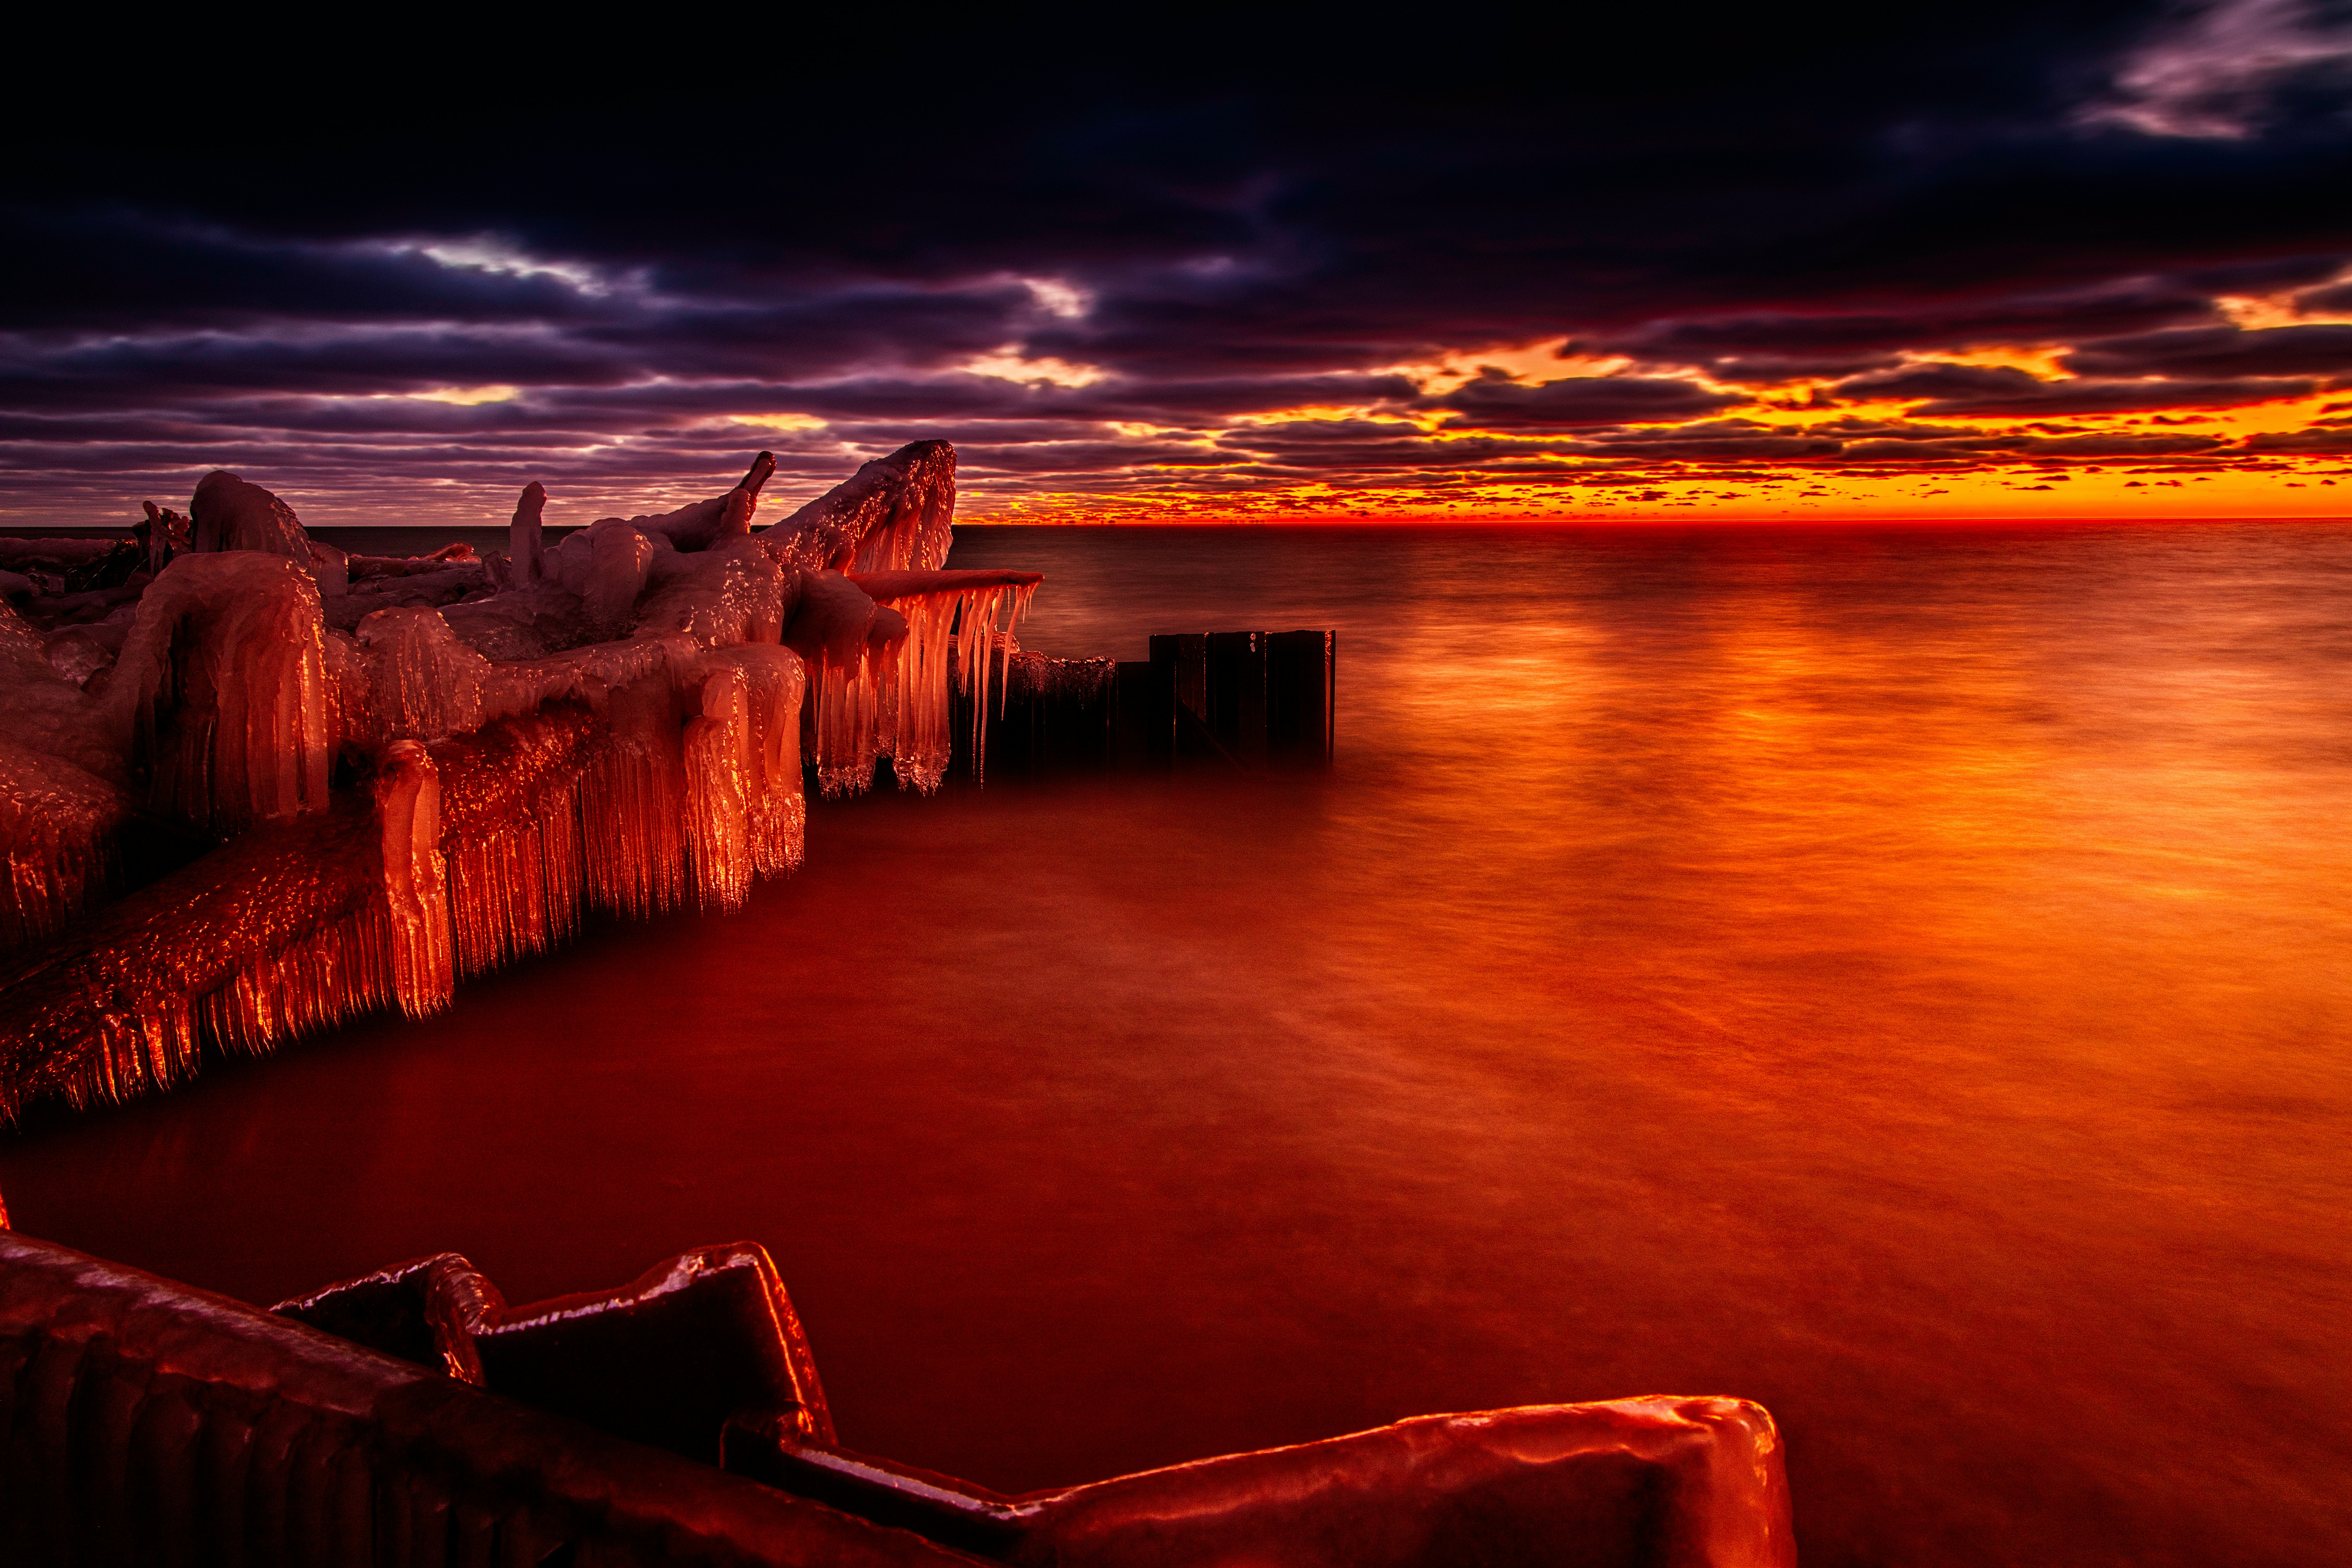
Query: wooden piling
<point x="1250" y="701"/>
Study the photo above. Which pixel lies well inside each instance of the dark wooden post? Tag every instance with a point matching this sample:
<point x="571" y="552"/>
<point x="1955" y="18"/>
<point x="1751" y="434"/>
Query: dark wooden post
<point x="1299" y="672"/>
<point x="1143" y="715"/>
<point x="1237" y="714"/>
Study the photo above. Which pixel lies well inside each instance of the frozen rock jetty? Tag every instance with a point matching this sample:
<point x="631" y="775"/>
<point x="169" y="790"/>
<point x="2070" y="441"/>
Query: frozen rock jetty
<point x="251" y="785"/>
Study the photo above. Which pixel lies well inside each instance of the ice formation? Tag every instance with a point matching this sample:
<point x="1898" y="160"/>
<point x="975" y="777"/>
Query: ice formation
<point x="413" y="1416"/>
<point x="524" y="546"/>
<point x="62" y="804"/>
<point x="221" y="695"/>
<point x="951" y="626"/>
<point x="416" y="769"/>
<point x="416" y="885"/>
<point x="231" y="514"/>
<point x="58" y="829"/>
<point x="894" y="515"/>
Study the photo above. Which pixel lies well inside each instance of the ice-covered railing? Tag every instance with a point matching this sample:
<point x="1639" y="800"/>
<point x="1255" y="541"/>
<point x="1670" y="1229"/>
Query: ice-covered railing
<point x="427" y="766"/>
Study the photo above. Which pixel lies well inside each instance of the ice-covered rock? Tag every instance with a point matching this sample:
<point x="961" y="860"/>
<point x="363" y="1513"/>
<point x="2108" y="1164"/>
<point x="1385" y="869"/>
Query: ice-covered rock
<point x="619" y="557"/>
<point x="897" y="513"/>
<point x="59" y="826"/>
<point x="232" y="513"/>
<point x="417" y="681"/>
<point x="76" y="655"/>
<point x="43" y="711"/>
<point x="733" y="592"/>
<point x="221" y="696"/>
<point x="525" y="554"/>
<point x="698" y="525"/>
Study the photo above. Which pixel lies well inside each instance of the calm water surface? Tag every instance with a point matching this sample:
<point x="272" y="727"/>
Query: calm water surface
<point x="1897" y="976"/>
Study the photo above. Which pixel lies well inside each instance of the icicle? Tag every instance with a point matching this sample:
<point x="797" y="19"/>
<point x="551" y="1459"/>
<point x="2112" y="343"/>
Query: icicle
<point x="58" y="843"/>
<point x="981" y="650"/>
<point x="774" y="688"/>
<point x="848" y="713"/>
<point x="408" y="803"/>
<point x="717" y="743"/>
<point x="934" y="657"/>
<point x="221" y="690"/>
<point x="510" y="832"/>
<point x="846" y="640"/>
<point x="633" y="805"/>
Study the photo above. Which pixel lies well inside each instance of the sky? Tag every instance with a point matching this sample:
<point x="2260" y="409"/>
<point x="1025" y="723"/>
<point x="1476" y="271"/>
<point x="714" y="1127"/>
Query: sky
<point x="2005" y="262"/>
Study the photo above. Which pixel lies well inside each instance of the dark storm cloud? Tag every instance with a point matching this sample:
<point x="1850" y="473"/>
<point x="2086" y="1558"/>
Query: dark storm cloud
<point x="1730" y="343"/>
<point x="1054" y="252"/>
<point x="2301" y="441"/>
<point x="2333" y="300"/>
<point x="2221" y="351"/>
<point x="118" y="269"/>
<point x="1968" y="391"/>
<point x="1493" y="401"/>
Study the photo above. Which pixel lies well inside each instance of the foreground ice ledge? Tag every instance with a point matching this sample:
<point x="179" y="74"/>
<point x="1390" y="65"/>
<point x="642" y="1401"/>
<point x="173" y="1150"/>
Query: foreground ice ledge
<point x="414" y="1417"/>
<point x="374" y="775"/>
